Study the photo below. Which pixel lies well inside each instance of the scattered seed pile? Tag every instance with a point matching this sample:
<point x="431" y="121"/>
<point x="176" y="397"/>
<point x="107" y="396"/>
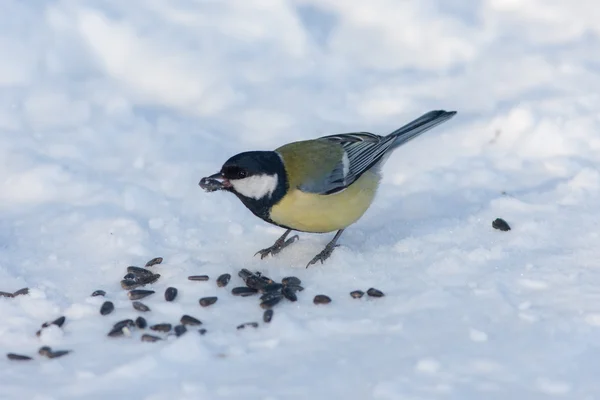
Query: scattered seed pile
<point x="271" y="293"/>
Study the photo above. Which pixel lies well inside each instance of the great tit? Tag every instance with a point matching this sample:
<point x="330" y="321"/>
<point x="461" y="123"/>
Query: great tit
<point x="319" y="185"/>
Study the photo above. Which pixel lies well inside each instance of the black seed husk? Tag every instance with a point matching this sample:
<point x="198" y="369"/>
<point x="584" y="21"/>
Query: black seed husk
<point x="207" y="301"/>
<point x="21" y="292"/>
<point x="202" y="331"/>
<point x="18" y="357"/>
<point x="243" y="291"/>
<point x="141" y="323"/>
<point x="357" y="294"/>
<point x="500" y="224"/>
<point x="375" y="292"/>
<point x="154" y="261"/>
<point x="150" y="338"/>
<point x="129" y="276"/>
<point x="107" y="307"/>
<point x="138" y="294"/>
<point x="170" y="293"/>
<point x="295" y="288"/>
<point x="223" y="280"/>
<point x="272" y="287"/>
<point x="245" y="324"/>
<point x="321" y="299"/>
<point x="272" y="302"/>
<point x="255" y="282"/>
<point x="118" y="332"/>
<point x="6" y="294"/>
<point x="130" y="284"/>
<point x="44" y="350"/>
<point x="244" y="274"/>
<point x="189" y="320"/>
<point x="124" y="323"/>
<point x="291" y="280"/>
<point x="161" y="327"/>
<point x="138" y="305"/>
<point x="200" y="278"/>
<point x="268" y="316"/>
<point x="139" y="272"/>
<point x="58" y="353"/>
<point x="98" y="293"/>
<point x="289" y="294"/>
<point x="271" y="295"/>
<point x="180" y="330"/>
<point x="147" y="280"/>
<point x="60" y="321"/>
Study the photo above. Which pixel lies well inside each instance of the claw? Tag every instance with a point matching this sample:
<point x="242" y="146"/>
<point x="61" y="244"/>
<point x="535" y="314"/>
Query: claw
<point x="322" y="256"/>
<point x="279" y="245"/>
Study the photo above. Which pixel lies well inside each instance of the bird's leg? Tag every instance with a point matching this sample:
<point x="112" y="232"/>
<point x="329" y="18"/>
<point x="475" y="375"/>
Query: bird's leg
<point x="279" y="245"/>
<point x="324" y="255"/>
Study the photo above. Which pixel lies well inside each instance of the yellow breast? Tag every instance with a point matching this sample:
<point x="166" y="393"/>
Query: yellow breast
<point x="326" y="213"/>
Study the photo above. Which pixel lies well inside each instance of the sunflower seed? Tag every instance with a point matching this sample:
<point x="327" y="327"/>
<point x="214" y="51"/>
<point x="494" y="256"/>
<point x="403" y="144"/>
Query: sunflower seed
<point x="128" y="284"/>
<point x="252" y="324"/>
<point x="138" y="305"/>
<point x="161" y="327"/>
<point x="289" y="294"/>
<point x="170" y="294"/>
<point x="119" y="331"/>
<point x="223" y="280"/>
<point x="98" y="293"/>
<point x="295" y="288"/>
<point x="207" y="301"/>
<point x="500" y="224"/>
<point x="271" y="295"/>
<point x="375" y="292"/>
<point x="201" y="278"/>
<point x="154" y="261"/>
<point x="357" y="294"/>
<point x="291" y="280"/>
<point x="18" y="357"/>
<point x="138" y="294"/>
<point x="272" y="302"/>
<point x="141" y="323"/>
<point x="243" y="291"/>
<point x="59" y="321"/>
<point x="244" y="274"/>
<point x="189" y="320"/>
<point x="202" y="331"/>
<point x="271" y="287"/>
<point x="321" y="299"/>
<point x="139" y="272"/>
<point x="47" y="352"/>
<point x="126" y="323"/>
<point x="107" y="307"/>
<point x="268" y="315"/>
<point x="44" y="351"/>
<point x="150" y="338"/>
<point x="6" y="294"/>
<point x="180" y="330"/>
<point x="255" y="282"/>
<point x="129" y="276"/>
<point x="147" y="280"/>
<point x="20" y="292"/>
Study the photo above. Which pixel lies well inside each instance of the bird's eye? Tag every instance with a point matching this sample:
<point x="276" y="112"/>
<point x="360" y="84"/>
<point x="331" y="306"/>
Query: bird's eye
<point x="242" y="174"/>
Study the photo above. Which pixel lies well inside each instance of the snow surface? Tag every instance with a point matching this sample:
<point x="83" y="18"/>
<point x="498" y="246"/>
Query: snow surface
<point x="111" y="112"/>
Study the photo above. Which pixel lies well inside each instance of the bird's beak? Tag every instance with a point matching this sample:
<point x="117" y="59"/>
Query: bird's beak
<point x="214" y="182"/>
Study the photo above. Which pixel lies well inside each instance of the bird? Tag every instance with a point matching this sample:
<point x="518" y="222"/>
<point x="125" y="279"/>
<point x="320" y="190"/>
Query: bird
<point x="317" y="185"/>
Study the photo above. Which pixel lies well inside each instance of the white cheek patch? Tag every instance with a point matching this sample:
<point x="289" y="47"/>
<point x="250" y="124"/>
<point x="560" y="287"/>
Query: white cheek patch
<point x="257" y="186"/>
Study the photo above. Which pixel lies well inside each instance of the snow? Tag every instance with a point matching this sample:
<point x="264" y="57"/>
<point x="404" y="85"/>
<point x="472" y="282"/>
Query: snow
<point x="111" y="112"/>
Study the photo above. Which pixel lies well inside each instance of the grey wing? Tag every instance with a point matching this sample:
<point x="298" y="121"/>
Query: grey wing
<point x="362" y="150"/>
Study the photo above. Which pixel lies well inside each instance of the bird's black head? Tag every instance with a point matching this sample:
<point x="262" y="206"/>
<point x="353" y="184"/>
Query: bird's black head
<point x="258" y="179"/>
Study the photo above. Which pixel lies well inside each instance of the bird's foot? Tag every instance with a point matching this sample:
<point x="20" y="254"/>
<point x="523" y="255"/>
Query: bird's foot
<point x="277" y="247"/>
<point x="324" y="255"/>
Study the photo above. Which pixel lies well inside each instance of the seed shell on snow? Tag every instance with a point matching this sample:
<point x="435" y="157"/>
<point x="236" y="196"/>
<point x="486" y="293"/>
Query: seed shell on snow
<point x="98" y="293"/>
<point x="129" y="276"/>
<point x="223" y="280"/>
<point x="268" y="316"/>
<point x="48" y="352"/>
<point x="180" y="330"/>
<point x="244" y="274"/>
<point x="154" y="261"/>
<point x="291" y="280"/>
<point x="18" y="357"/>
<point x="150" y="338"/>
<point x="6" y="294"/>
<point x="189" y="320"/>
<point x="500" y="224"/>
<point x="251" y="324"/>
<point x="138" y="294"/>
<point x="138" y="305"/>
<point x="58" y="322"/>
<point x="139" y="272"/>
<point x="271" y="295"/>
<point x="357" y="294"/>
<point x="161" y="327"/>
<point x="271" y="287"/>
<point x="321" y="299"/>
<point x="243" y="291"/>
<point x="271" y="302"/>
<point x="295" y="288"/>
<point x="141" y="323"/>
<point x="107" y="307"/>
<point x="289" y="294"/>
<point x="375" y="292"/>
<point x="200" y="278"/>
<point x="21" y="292"/>
<point x="126" y="323"/>
<point x="170" y="293"/>
<point x="202" y="331"/>
<point x="208" y="301"/>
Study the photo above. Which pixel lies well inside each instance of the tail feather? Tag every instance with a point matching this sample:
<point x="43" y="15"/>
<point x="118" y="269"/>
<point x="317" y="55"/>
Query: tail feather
<point x="419" y="126"/>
